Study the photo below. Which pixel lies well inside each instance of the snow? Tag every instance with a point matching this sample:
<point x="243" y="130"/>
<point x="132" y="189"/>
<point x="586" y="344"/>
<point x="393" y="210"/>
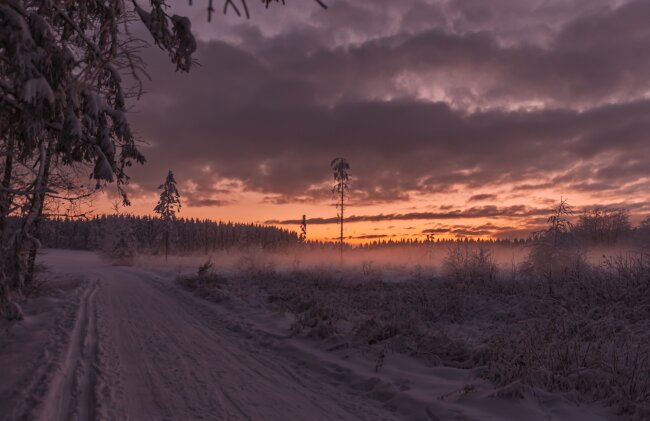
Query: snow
<point x="37" y="89"/>
<point x="116" y="343"/>
<point x="102" y="169"/>
<point x="94" y="103"/>
<point x="72" y="123"/>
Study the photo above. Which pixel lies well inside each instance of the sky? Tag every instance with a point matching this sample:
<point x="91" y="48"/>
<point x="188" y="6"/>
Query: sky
<point x="458" y="117"/>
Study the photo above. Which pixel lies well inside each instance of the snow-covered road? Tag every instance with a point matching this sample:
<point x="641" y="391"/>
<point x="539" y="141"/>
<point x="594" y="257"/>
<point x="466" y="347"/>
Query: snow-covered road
<point x="139" y="348"/>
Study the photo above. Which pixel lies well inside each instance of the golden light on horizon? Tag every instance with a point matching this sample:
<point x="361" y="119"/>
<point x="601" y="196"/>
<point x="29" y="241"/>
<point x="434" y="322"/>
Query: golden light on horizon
<point x="509" y="214"/>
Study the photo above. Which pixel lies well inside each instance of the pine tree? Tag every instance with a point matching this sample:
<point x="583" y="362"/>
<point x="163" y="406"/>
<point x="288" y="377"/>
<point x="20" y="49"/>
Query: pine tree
<point x="168" y="204"/>
<point x="340" y="167"/>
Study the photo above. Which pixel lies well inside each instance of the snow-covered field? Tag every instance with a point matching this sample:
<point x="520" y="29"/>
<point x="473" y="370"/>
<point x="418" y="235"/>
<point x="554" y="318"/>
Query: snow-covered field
<point x="109" y="342"/>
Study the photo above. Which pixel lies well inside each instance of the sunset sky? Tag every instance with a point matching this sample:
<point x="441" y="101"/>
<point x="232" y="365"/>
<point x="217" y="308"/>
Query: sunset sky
<point x="458" y="117"/>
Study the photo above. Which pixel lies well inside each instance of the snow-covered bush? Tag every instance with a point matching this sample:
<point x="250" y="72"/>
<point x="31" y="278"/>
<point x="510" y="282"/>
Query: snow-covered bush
<point x="205" y="268"/>
<point x="632" y="267"/>
<point x="555" y="261"/>
<point x="208" y="285"/>
<point x="556" y="253"/>
<point x="469" y="264"/>
<point x="317" y="320"/>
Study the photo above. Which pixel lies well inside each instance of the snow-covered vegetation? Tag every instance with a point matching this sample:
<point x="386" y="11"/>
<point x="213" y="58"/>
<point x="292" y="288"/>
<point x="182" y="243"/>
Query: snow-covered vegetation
<point x="559" y="319"/>
<point x="584" y="334"/>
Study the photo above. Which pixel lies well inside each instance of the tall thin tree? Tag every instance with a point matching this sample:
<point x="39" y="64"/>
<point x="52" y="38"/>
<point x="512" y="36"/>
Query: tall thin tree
<point x="168" y="204"/>
<point x="340" y="168"/>
<point x="303" y="229"/>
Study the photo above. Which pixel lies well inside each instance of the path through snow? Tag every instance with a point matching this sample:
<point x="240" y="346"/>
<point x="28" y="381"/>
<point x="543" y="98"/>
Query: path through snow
<point x="138" y="348"/>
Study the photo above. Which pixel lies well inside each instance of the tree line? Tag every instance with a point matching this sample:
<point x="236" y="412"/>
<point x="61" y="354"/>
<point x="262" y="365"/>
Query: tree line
<point x="148" y="234"/>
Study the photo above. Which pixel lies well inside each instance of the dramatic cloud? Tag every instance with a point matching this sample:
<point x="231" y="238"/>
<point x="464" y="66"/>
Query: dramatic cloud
<point x="423" y="98"/>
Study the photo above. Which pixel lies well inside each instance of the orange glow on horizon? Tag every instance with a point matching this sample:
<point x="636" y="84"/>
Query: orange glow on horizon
<point x="252" y="207"/>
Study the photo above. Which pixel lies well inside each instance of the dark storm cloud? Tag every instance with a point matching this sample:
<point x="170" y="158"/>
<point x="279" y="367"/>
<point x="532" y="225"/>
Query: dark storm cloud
<point x="565" y="106"/>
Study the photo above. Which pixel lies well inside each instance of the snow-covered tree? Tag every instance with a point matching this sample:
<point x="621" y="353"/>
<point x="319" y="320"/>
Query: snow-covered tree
<point x="63" y="102"/>
<point x="167" y="206"/>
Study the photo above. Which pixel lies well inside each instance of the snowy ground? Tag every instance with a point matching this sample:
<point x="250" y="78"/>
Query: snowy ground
<point x="109" y="342"/>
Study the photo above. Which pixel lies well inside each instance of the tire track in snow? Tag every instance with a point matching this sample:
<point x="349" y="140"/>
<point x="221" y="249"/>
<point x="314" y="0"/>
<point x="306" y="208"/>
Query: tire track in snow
<point x="48" y="391"/>
<point x="71" y="391"/>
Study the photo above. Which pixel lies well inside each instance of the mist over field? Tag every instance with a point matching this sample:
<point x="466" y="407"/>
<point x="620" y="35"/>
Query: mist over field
<point x="397" y="258"/>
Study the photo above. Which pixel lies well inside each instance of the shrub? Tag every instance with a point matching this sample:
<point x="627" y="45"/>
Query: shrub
<point x="554" y="257"/>
<point x="208" y="285"/>
<point x="469" y="264"/>
<point x="204" y="268"/>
